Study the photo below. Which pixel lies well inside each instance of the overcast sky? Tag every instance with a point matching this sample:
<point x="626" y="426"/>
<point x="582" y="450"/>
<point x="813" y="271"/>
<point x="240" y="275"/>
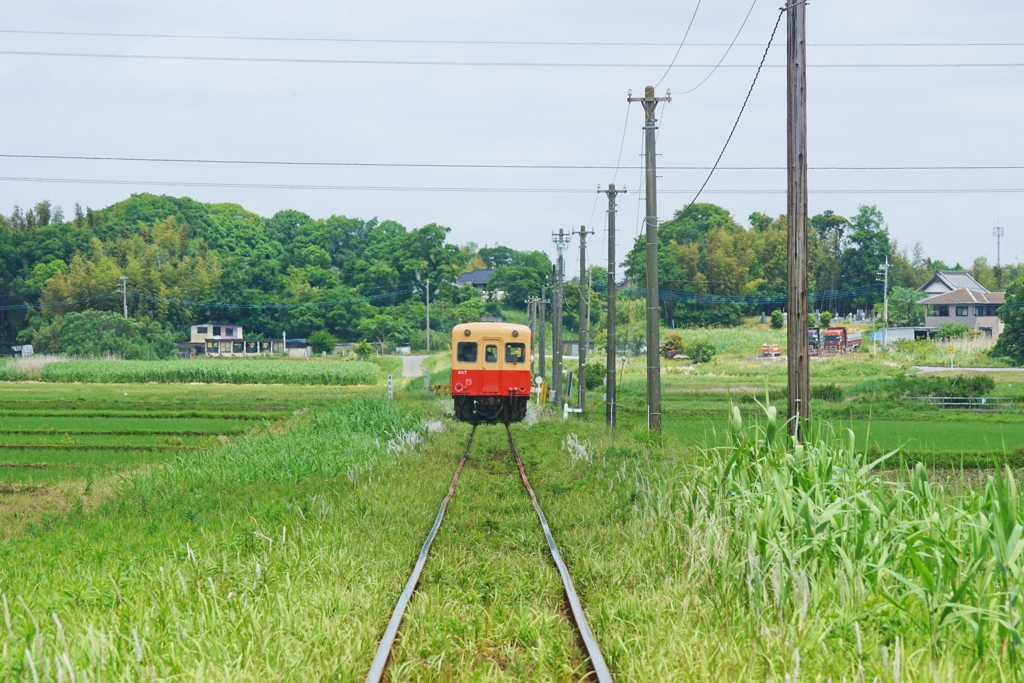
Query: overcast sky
<point x="429" y="114"/>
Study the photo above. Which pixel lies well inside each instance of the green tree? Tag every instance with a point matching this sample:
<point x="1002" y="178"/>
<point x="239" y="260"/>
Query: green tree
<point x="321" y="341"/>
<point x="826" y="318"/>
<point x="363" y="350"/>
<point x="778" y="319"/>
<point x="99" y="333"/>
<point x="700" y="350"/>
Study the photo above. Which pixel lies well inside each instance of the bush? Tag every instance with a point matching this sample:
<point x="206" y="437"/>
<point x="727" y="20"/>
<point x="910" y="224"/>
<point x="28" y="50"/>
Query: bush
<point x="673" y="342"/>
<point x="104" y="333"/>
<point x="825" y="318"/>
<point x="961" y="386"/>
<point x="700" y="350"/>
<point x="321" y="341"/>
<point x="778" y="319"/>
<point x="948" y="331"/>
<point x="596" y="372"/>
<point x="833" y="393"/>
<point x="363" y="350"/>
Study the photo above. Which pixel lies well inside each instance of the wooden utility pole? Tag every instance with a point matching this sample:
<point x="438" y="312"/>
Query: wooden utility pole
<point x="540" y="333"/>
<point x="609" y="401"/>
<point x="797" y="353"/>
<point x="584" y="319"/>
<point x="561" y="240"/>
<point x="650" y="103"/>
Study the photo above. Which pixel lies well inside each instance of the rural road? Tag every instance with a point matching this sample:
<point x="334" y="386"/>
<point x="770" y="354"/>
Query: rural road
<point x="412" y="366"/>
<point x="946" y="368"/>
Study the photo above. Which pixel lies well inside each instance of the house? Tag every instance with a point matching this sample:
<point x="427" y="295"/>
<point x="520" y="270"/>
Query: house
<point x="956" y="297"/>
<point x="478" y="278"/>
<point x="225" y="339"/>
<point x="949" y="280"/>
<point x="970" y="307"/>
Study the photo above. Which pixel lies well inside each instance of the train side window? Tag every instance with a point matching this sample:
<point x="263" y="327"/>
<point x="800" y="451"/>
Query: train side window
<point x="515" y="353"/>
<point x="491" y="353"/>
<point x="466" y="352"/>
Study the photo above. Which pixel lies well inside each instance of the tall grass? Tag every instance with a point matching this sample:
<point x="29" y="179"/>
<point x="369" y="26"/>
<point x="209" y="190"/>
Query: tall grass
<point x="249" y="371"/>
<point x="806" y="541"/>
<point x="245" y="563"/>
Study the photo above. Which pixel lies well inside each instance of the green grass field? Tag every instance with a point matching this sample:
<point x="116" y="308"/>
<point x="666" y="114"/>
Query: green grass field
<point x="264" y="532"/>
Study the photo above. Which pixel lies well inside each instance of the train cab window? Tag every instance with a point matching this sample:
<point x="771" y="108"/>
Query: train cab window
<point x="466" y="352"/>
<point x="515" y="353"/>
<point x="491" y="353"/>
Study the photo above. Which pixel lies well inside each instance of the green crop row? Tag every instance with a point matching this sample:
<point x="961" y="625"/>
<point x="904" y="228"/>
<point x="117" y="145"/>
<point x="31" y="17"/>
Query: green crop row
<point x="210" y="371"/>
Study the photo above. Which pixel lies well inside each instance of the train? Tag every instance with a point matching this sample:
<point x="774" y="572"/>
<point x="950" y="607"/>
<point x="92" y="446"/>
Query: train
<point x="491" y="372"/>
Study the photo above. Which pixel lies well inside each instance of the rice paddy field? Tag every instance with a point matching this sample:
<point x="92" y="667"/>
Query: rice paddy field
<point x="264" y="532"/>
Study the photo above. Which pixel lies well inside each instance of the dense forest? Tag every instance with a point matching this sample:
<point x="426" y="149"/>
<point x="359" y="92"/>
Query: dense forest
<point x="366" y="279"/>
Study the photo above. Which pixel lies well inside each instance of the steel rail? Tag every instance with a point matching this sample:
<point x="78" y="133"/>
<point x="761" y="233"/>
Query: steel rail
<point x="593" y="651"/>
<point x="380" y="660"/>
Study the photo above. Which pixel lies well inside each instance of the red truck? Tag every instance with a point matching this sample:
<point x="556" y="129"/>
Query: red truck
<point x="838" y="341"/>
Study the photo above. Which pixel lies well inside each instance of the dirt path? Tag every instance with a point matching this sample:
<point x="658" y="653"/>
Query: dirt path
<point x="412" y="366"/>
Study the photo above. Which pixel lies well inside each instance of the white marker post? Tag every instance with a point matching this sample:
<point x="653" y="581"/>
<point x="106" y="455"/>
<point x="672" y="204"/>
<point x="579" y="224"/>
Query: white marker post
<point x="391" y="387"/>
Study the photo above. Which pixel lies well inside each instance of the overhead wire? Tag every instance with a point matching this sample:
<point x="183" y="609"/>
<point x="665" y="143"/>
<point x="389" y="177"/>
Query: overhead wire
<point x="373" y="164"/>
<point x="421" y="62"/>
<point x="401" y="41"/>
<point x="676" y="56"/>
<point x="725" y="54"/>
<point x="746" y="99"/>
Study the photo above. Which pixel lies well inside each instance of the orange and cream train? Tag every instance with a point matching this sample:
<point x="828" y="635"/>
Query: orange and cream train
<point x="491" y="372"/>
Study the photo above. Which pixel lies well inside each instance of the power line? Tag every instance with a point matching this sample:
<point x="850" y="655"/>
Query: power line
<point x="616" y="167"/>
<point x="416" y="62"/>
<point x="726" y="53"/>
<point x="688" y="27"/>
<point x="399" y="41"/>
<point x="498" y="190"/>
<point x="746" y="99"/>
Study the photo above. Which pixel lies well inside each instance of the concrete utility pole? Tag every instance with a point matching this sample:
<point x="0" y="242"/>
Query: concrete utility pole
<point x="884" y="270"/>
<point x="650" y="103"/>
<point x="428" y="316"/>
<point x="609" y="406"/>
<point x="122" y="289"/>
<point x="584" y="318"/>
<point x="540" y="336"/>
<point x="797" y="352"/>
<point x="561" y="240"/>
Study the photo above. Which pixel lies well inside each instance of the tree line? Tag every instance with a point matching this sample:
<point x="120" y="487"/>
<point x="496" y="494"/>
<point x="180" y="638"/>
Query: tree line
<point x="366" y="279"/>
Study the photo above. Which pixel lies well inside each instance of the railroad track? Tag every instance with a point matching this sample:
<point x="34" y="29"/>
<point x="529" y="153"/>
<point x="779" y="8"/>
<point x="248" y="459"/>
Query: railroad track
<point x="599" y="668"/>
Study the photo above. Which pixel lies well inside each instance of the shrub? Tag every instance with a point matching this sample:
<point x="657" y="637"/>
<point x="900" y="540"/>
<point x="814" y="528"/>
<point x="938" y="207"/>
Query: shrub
<point x="700" y="350"/>
<point x="595" y="374"/>
<point x="321" y="341"/>
<point x="961" y="386"/>
<point x="673" y="342"/>
<point x="363" y="350"/>
<point x="778" y="319"/>
<point x="833" y="393"/>
<point x="826" y="318"/>
<point x="948" y="331"/>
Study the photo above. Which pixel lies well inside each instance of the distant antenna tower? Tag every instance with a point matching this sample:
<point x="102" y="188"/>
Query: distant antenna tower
<point x="997" y="232"/>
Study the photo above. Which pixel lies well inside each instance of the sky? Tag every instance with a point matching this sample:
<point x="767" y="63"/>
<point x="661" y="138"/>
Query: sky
<point x="327" y="111"/>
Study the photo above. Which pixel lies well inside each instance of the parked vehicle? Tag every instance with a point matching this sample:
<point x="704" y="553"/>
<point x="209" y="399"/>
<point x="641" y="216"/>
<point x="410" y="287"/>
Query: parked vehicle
<point x="814" y="340"/>
<point x="838" y="341"/>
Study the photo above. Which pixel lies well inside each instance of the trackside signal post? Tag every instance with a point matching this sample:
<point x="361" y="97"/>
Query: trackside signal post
<point x="797" y="352"/>
<point x="650" y="103"/>
<point x="609" y="407"/>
